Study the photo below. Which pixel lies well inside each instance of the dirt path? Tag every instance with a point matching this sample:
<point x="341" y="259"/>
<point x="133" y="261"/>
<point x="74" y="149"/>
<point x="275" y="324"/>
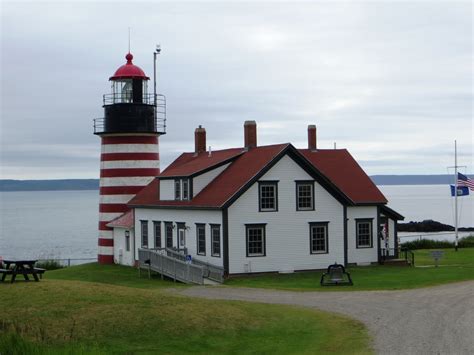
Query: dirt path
<point x="434" y="320"/>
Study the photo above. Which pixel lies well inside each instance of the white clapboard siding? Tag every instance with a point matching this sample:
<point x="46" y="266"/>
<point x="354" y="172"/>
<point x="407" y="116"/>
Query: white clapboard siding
<point x="119" y="245"/>
<point x="167" y="189"/>
<point x="287" y="231"/>
<point x="201" y="181"/>
<point x="190" y="218"/>
<point x="361" y="255"/>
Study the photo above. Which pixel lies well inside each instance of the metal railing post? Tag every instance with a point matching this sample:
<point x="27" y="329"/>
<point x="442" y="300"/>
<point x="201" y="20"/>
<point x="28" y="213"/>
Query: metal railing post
<point x="174" y="267"/>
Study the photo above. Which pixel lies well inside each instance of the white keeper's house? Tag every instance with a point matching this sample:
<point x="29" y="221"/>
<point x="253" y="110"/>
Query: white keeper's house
<point x="252" y="209"/>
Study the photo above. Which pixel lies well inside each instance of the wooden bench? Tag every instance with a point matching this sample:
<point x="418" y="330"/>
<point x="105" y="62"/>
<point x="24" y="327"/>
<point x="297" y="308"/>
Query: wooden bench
<point x="40" y="271"/>
<point x="336" y="275"/>
<point x="5" y="272"/>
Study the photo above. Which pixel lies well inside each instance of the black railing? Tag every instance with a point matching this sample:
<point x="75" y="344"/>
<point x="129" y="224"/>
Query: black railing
<point x="127" y="98"/>
<point x="409" y="256"/>
<point x="134" y="119"/>
<point x="397" y="254"/>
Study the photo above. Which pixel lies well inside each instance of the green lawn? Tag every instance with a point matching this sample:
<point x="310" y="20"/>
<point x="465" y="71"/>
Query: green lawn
<point x="458" y="266"/>
<point x="115" y="312"/>
<point x="464" y="256"/>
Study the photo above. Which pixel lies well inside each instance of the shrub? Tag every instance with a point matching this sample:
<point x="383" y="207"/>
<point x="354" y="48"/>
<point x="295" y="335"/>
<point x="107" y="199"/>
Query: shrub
<point x="466" y="242"/>
<point x="49" y="264"/>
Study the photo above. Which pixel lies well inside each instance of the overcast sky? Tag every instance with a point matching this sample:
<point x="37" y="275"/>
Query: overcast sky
<point x="390" y="81"/>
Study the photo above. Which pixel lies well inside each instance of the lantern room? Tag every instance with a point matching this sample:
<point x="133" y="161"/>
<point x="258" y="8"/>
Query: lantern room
<point x="129" y="108"/>
<point x="129" y="84"/>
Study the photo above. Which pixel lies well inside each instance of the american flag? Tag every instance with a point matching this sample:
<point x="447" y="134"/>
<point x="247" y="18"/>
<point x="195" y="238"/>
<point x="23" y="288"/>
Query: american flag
<point x="463" y="180"/>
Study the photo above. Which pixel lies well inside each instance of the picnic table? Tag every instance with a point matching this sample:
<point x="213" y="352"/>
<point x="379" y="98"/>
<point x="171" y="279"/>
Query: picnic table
<point x="21" y="267"/>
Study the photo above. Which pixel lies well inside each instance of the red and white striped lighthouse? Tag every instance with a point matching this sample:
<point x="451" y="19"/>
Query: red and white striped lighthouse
<point x="133" y="121"/>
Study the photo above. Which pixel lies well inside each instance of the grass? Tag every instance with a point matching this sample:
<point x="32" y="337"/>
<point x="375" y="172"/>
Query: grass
<point x="112" y="275"/>
<point x="464" y="257"/>
<point x="458" y="266"/>
<point x="110" y="310"/>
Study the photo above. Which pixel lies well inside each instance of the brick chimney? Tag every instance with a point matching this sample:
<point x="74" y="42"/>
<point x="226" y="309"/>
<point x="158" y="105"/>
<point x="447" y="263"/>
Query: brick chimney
<point x="312" y="137"/>
<point x="199" y="140"/>
<point x="250" y="134"/>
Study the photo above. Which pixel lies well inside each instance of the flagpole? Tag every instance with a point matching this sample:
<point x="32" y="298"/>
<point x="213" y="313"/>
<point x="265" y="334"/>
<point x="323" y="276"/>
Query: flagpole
<point x="456" y="195"/>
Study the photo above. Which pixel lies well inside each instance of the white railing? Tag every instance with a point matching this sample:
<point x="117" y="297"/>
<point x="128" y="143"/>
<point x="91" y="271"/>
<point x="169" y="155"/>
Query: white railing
<point x="171" y="267"/>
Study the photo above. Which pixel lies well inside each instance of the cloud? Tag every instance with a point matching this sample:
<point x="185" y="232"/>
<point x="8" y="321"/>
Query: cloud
<point x="389" y="81"/>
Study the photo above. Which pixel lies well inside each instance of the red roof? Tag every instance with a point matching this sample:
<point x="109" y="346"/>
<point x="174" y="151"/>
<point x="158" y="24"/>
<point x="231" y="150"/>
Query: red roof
<point x="340" y="167"/>
<point x="129" y="71"/>
<point x="124" y="221"/>
<point x="340" y="172"/>
<point x="189" y="163"/>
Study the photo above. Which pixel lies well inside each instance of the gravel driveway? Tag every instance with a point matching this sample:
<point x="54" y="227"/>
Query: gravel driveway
<point x="433" y="320"/>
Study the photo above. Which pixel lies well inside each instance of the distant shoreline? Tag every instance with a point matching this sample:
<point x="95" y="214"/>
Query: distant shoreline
<point x="93" y="184"/>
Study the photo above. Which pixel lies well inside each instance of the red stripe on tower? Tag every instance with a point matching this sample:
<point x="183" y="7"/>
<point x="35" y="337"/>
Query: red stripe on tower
<point x="129" y="158"/>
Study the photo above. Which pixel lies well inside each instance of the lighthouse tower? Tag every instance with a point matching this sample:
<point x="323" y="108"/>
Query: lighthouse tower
<point x="129" y="131"/>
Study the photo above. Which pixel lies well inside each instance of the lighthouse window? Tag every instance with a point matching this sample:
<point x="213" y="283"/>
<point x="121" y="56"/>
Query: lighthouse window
<point x="127" y="91"/>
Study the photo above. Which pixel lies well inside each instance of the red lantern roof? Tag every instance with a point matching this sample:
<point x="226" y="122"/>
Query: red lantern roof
<point x="129" y="71"/>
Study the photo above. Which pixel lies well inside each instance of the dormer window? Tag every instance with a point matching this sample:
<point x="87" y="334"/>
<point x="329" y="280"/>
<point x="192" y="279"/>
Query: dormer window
<point x="177" y="189"/>
<point x="185" y="183"/>
<point x="182" y="189"/>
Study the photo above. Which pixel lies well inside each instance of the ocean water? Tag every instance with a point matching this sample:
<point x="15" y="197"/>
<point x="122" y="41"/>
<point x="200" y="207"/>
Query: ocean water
<point x="63" y="224"/>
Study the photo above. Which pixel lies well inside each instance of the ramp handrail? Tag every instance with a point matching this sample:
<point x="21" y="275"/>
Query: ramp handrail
<point x="213" y="272"/>
<point x="170" y="266"/>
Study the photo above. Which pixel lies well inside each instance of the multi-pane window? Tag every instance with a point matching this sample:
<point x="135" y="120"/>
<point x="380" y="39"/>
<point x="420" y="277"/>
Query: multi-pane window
<point x="268" y="196"/>
<point x="144" y="225"/>
<point x="177" y="189"/>
<point x="185" y="189"/>
<point x="215" y="240"/>
<point x="201" y="238"/>
<point x="364" y="233"/>
<point x="304" y="196"/>
<point x="182" y="189"/>
<point x="169" y="234"/>
<point x="157" y="232"/>
<point x="255" y="239"/>
<point x="318" y="237"/>
<point x="127" y="241"/>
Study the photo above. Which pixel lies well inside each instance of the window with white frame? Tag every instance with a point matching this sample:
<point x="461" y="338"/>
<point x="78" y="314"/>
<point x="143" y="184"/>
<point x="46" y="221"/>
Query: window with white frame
<point x="255" y="235"/>
<point x="201" y="238"/>
<point x="215" y="240"/>
<point x="304" y="195"/>
<point x="318" y="237"/>
<point x="127" y="241"/>
<point x="144" y="229"/>
<point x="185" y="186"/>
<point x="157" y="233"/>
<point x="364" y="233"/>
<point x="268" y="196"/>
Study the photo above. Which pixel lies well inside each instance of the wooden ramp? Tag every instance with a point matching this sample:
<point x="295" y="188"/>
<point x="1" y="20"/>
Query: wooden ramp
<point x="173" y="264"/>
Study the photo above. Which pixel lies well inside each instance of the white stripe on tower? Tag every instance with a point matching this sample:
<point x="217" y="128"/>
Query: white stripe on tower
<point x="128" y="163"/>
